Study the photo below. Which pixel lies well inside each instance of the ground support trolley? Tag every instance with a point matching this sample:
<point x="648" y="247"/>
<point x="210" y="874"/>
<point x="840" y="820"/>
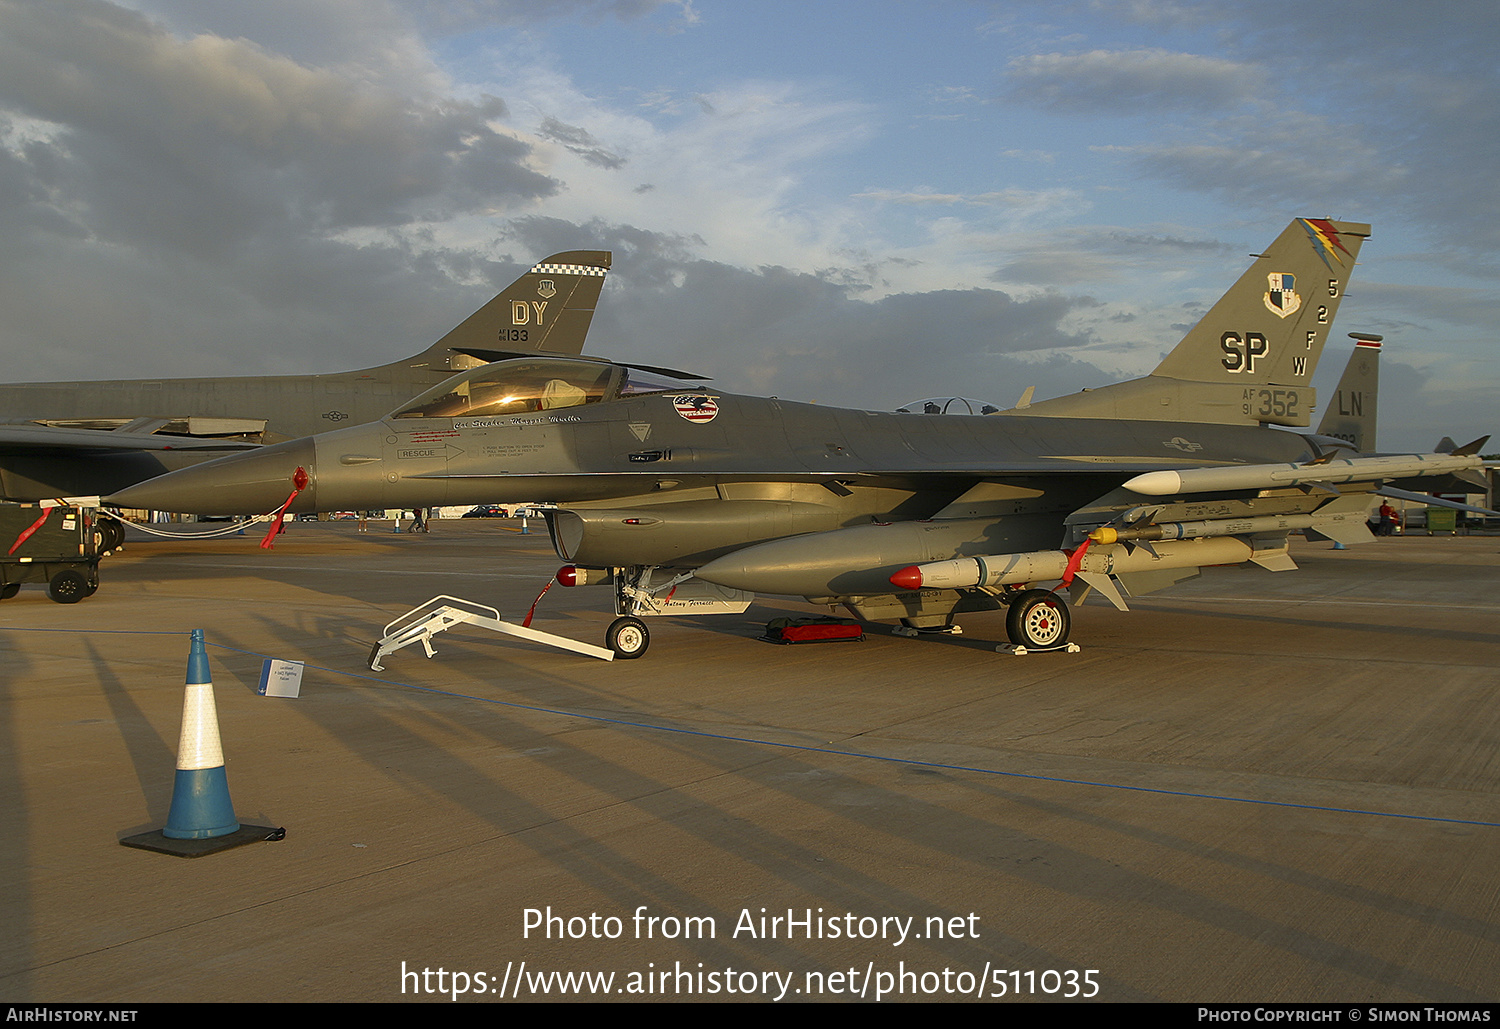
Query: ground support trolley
<point x="57" y="544"/>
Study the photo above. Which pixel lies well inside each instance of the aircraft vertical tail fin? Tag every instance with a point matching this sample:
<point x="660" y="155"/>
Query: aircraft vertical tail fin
<point x="1271" y="326"/>
<point x="1351" y="414"/>
<point x="548" y="309"/>
<point x="1251" y="358"/>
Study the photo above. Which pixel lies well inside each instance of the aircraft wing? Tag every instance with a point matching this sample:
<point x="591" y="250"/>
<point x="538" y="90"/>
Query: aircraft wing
<point x="31" y="438"/>
<point x="1427" y="500"/>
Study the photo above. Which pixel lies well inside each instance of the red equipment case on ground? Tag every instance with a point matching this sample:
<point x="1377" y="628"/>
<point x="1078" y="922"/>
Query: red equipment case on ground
<point x="812" y="630"/>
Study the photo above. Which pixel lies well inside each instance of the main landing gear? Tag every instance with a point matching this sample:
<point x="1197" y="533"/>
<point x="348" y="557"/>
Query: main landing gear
<point x="1038" y="620"/>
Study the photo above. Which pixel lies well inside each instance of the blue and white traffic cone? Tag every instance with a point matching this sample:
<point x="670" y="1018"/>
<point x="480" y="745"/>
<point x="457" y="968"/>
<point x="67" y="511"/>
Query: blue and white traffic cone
<point x="201" y="820"/>
<point x="201" y="808"/>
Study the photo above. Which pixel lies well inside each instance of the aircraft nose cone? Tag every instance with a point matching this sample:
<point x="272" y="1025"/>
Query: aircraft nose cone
<point x="258" y="482"/>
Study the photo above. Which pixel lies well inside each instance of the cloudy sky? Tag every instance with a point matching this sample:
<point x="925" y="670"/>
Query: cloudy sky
<point x="859" y="203"/>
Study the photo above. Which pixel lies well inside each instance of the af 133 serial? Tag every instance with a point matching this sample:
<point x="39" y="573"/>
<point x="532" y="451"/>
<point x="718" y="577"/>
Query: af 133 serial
<point x="688" y="500"/>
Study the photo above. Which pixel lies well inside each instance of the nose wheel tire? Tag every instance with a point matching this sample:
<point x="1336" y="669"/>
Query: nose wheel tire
<point x="1038" y="619"/>
<point x="627" y="637"/>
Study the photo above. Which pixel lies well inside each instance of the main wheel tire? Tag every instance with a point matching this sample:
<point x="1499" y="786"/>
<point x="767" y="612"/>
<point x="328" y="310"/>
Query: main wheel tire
<point x="68" y="587"/>
<point x="9" y="590"/>
<point x="627" y="637"/>
<point x="111" y="535"/>
<point x="1038" y="619"/>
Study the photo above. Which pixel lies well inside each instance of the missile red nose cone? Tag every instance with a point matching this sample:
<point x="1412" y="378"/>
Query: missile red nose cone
<point x="908" y="578"/>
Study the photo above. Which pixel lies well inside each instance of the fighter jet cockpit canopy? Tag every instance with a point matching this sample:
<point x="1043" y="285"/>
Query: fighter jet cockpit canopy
<point x="533" y="384"/>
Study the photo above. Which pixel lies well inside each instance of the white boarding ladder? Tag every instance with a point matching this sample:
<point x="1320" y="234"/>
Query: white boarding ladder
<point x="422" y="623"/>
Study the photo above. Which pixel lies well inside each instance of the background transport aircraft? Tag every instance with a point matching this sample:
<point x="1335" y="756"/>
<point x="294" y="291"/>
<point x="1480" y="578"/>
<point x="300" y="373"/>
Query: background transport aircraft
<point x="688" y="500"/>
<point x="61" y="439"/>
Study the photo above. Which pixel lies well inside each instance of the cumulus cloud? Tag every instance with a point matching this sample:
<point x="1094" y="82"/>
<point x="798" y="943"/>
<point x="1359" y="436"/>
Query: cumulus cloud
<point x="372" y="40"/>
<point x="775" y="331"/>
<point x="196" y="142"/>
<point x="1434" y="305"/>
<point x="196" y="203"/>
<point x="372" y="32"/>
<point x="1098" y="255"/>
<point x="460" y="15"/>
<point x="581" y="143"/>
<point x="1132" y="81"/>
<point x="1387" y="111"/>
<point x="732" y="173"/>
<point x="1021" y="200"/>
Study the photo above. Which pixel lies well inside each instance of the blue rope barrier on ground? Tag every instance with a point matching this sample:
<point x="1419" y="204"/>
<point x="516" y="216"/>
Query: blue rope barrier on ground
<point x="806" y="748"/>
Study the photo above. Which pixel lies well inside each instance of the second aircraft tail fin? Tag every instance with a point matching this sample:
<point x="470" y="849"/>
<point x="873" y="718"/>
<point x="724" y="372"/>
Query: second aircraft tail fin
<point x="547" y="309"/>
<point x="1351" y="414"/>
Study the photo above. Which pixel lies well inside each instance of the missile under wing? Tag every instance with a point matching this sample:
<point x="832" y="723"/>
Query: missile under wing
<point x="675" y="492"/>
